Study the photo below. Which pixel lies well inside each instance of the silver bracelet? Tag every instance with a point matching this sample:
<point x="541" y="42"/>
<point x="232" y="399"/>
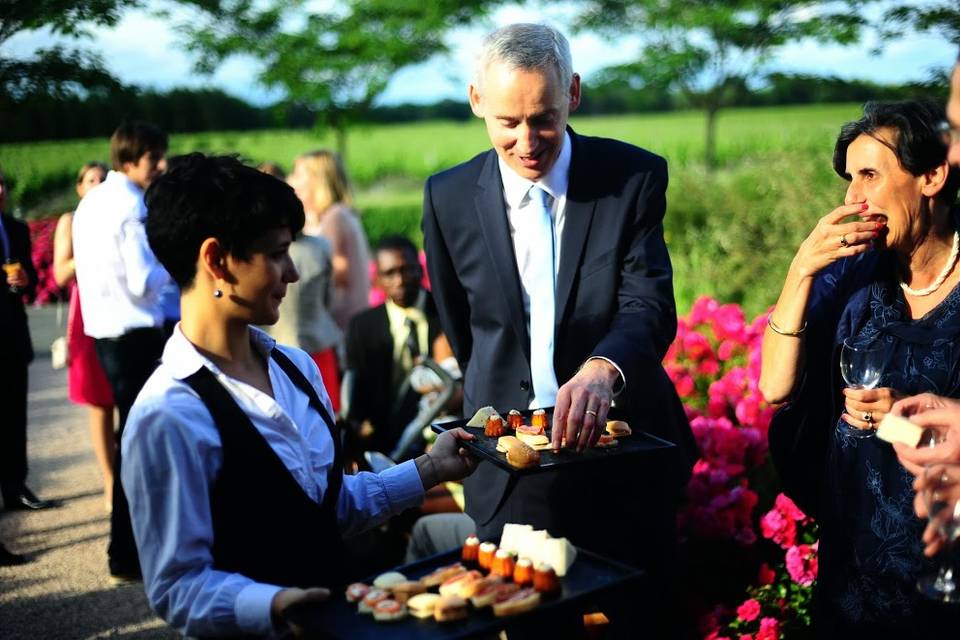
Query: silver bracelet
<point x="792" y="334"/>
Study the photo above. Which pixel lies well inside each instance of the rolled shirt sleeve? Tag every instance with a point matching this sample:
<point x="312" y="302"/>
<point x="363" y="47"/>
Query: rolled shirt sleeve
<point x="143" y="272"/>
<point x="368" y="499"/>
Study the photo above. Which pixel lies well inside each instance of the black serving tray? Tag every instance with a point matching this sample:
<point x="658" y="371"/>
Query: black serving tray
<point x="639" y="442"/>
<point x="589" y="577"/>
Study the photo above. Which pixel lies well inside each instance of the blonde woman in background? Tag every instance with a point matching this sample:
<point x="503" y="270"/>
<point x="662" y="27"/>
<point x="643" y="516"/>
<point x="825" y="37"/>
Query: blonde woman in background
<point x="86" y="382"/>
<point x="321" y="184"/>
<point x="305" y="321"/>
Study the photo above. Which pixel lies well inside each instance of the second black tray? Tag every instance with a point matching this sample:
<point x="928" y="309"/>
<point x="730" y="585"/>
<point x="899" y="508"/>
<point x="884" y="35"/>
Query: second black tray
<point x="589" y="577"/>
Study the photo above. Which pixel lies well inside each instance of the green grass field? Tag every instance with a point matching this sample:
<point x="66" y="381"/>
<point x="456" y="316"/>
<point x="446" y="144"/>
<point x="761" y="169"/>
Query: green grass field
<point x="731" y="233"/>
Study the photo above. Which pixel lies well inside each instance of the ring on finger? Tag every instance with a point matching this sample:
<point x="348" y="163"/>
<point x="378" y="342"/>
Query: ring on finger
<point x="843" y="241"/>
<point x="590" y="412"/>
<point x="868" y="417"/>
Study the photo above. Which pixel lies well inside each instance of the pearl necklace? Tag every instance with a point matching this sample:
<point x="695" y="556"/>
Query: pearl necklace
<point x="951" y="261"/>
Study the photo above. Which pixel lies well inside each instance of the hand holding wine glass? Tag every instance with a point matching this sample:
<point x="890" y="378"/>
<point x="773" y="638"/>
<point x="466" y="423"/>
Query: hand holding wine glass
<point x="941" y="496"/>
<point x="861" y="366"/>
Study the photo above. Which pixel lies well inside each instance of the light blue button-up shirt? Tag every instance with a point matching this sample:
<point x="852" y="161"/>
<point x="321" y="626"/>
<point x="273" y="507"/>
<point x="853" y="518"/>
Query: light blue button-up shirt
<point x="171" y="456"/>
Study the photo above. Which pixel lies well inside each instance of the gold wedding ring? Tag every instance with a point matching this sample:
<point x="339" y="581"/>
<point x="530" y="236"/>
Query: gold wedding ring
<point x="843" y="241"/>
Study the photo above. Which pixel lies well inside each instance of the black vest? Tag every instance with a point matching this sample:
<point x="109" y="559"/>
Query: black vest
<point x="264" y="526"/>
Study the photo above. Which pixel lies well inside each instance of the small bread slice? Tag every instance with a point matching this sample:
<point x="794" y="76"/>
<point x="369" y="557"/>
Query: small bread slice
<point x="897" y="429"/>
<point x="618" y="428"/>
<point x="520" y="602"/>
<point x="534" y="441"/>
<point x="421" y="605"/>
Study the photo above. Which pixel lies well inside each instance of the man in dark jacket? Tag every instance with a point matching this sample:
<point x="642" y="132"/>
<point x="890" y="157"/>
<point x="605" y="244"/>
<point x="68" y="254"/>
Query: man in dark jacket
<point x="20" y="279"/>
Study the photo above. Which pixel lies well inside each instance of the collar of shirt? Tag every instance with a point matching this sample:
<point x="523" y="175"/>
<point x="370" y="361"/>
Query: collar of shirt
<point x="555" y="183"/>
<point x="184" y="360"/>
<point x="131" y="186"/>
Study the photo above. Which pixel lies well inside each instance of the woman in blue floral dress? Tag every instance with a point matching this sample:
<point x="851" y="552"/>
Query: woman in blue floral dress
<point x="887" y="280"/>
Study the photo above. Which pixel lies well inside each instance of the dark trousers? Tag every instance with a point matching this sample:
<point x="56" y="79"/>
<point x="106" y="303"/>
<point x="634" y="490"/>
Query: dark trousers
<point x="13" y="427"/>
<point x="128" y="361"/>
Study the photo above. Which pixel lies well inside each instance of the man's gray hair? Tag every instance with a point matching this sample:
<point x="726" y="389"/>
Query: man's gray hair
<point x="532" y="47"/>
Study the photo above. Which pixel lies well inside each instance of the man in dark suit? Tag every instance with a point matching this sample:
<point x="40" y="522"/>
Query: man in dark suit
<point x="584" y="332"/>
<point x="386" y="341"/>
<point x="17" y="354"/>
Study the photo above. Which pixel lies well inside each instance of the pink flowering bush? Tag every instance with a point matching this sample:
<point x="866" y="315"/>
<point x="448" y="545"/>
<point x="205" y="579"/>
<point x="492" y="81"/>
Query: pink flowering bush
<point x="714" y="363"/>
<point x="41" y="238"/>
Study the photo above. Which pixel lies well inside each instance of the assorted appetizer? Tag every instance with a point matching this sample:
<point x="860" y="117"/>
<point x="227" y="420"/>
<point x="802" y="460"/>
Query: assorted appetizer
<point x="513" y="432"/>
<point x="513" y="578"/>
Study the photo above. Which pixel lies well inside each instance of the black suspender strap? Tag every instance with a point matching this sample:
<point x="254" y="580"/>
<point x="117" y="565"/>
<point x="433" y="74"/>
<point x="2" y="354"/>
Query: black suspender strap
<point x="335" y="476"/>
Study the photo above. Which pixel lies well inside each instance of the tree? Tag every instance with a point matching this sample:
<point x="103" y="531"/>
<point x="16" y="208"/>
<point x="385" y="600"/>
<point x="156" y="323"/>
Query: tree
<point x="942" y="18"/>
<point x="335" y="61"/>
<point x="55" y="71"/>
<point x="708" y="50"/>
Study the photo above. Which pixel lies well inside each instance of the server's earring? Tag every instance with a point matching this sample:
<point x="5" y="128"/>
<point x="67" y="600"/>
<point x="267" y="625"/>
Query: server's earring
<point x="217" y="293"/>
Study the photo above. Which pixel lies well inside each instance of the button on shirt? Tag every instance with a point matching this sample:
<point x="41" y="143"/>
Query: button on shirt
<point x="172" y="454"/>
<point x="118" y="277"/>
<point x="516" y="198"/>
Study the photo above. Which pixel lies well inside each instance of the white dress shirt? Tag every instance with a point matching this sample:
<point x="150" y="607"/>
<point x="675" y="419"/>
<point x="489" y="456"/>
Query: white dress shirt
<point x="118" y="277"/>
<point x="516" y="201"/>
<point x="172" y="454"/>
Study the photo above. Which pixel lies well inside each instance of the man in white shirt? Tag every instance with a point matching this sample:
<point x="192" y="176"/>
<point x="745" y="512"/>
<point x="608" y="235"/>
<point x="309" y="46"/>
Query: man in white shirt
<point x="120" y="281"/>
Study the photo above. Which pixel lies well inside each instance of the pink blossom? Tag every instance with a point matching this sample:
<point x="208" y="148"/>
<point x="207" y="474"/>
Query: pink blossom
<point x="766" y="575"/>
<point x="802" y="564"/>
<point x="728" y="323"/>
<point x="697" y="346"/>
<point x="727" y="349"/>
<point x="745" y="636"/>
<point x="769" y="629"/>
<point x="782" y="530"/>
<point x="703" y="308"/>
<point x="749" y="610"/>
<point x="709" y="367"/>
<point x="786" y="506"/>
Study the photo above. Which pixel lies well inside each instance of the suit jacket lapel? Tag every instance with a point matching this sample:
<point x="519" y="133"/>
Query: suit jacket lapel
<point x="496" y="233"/>
<point x="576" y="226"/>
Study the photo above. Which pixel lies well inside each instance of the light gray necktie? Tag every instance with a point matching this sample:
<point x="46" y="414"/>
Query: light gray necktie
<point x="538" y="223"/>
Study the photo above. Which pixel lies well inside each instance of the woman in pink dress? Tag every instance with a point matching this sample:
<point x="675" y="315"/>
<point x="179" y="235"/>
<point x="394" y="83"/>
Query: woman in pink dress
<point x="86" y="382"/>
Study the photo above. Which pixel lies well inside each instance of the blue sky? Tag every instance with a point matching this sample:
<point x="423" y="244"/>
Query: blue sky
<point x="144" y="50"/>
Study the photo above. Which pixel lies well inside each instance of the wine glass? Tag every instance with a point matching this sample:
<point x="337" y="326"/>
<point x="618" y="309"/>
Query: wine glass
<point x="11" y="267"/>
<point x="940" y="493"/>
<point x="861" y="367"/>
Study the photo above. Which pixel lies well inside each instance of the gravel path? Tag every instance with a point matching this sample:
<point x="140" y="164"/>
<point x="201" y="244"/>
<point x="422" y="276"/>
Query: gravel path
<point x="65" y="592"/>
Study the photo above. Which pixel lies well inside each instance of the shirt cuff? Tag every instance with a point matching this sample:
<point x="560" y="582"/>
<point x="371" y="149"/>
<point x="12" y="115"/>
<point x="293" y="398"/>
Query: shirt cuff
<point x="620" y="384"/>
<point x="252" y="608"/>
<point x="403" y="486"/>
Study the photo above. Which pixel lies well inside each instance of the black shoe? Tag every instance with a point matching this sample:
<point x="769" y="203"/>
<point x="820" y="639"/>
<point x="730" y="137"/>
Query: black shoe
<point x="10" y="559"/>
<point x="26" y="499"/>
